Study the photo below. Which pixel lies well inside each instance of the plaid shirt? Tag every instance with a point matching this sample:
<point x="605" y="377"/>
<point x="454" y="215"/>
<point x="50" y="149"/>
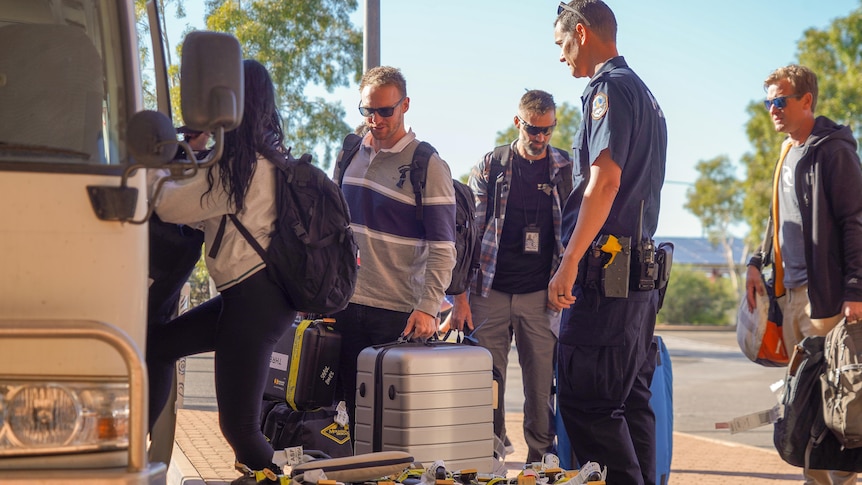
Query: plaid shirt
<point x="491" y="238"/>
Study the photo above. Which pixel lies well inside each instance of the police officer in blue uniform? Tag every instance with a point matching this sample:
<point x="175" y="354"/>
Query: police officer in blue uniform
<point x="606" y="354"/>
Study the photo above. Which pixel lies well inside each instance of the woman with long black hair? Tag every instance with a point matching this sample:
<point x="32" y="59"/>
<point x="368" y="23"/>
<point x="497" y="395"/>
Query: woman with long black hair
<point x="242" y="323"/>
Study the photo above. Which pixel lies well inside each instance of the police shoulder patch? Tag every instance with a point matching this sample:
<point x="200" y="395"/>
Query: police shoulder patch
<point x="600" y="106"/>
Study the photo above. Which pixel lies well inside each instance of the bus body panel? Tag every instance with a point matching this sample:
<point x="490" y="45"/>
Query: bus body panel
<point x="60" y="262"/>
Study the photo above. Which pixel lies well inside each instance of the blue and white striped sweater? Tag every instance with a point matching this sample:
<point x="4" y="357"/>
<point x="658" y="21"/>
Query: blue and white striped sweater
<point x="406" y="264"/>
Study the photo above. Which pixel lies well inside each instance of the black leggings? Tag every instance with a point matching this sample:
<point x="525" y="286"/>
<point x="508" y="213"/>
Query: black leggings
<point x="360" y="327"/>
<point x="241" y="325"/>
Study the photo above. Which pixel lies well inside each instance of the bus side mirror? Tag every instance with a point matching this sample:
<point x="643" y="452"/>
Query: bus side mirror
<point x="211" y="81"/>
<point x="152" y="139"/>
<point x="212" y="92"/>
<point x="152" y="142"/>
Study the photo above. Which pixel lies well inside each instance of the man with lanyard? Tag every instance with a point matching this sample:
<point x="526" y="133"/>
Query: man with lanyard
<point x="518" y="213"/>
<point x="606" y="354"/>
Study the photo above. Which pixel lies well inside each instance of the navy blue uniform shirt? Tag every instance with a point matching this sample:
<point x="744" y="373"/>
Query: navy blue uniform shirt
<point x="622" y="115"/>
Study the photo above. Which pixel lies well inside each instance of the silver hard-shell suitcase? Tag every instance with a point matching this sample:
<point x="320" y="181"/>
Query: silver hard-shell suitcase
<point x="433" y="400"/>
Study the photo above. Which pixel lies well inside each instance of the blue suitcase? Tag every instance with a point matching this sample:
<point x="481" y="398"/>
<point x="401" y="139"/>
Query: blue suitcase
<point x="662" y="405"/>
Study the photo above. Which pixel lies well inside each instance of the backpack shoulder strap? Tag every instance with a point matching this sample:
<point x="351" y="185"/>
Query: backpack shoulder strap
<point x="242" y="230"/>
<point x="499" y="159"/>
<point x="564" y="185"/>
<point x="419" y="173"/>
<point x="280" y="163"/>
<point x="348" y="150"/>
<point x="216" y="245"/>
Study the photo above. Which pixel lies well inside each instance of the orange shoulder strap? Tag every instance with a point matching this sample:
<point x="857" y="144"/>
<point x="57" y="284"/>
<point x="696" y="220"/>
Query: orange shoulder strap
<point x="776" y="249"/>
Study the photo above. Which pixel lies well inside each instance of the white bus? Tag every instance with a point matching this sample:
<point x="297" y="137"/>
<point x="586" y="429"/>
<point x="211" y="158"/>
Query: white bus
<point x="75" y="143"/>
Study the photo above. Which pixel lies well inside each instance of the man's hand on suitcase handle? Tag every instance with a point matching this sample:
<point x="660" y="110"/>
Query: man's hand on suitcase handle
<point x="421" y="324"/>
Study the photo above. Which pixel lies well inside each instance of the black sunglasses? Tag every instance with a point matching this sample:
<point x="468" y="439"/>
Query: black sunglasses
<point x="563" y="8"/>
<point x="535" y="130"/>
<point x="384" y="112"/>
<point x="779" y="102"/>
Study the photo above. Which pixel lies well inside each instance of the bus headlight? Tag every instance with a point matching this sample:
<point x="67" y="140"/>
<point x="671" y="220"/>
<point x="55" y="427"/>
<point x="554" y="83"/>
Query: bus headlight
<point x="63" y="417"/>
<point x="43" y="415"/>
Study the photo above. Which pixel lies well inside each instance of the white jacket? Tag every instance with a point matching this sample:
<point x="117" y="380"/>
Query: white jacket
<point x="180" y="202"/>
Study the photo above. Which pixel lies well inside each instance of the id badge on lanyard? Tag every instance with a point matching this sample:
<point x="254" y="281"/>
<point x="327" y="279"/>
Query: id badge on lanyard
<point x="532" y="242"/>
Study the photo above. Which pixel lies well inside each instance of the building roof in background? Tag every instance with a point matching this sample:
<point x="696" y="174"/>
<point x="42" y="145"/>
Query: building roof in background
<point x="700" y="252"/>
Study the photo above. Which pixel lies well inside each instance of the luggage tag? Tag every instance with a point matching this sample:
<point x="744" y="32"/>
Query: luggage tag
<point x="341" y="416"/>
<point x="751" y="421"/>
<point x="288" y="456"/>
<point x="531" y="239"/>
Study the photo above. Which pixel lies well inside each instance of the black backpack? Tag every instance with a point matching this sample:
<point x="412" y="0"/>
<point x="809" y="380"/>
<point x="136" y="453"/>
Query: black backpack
<point x="312" y="255"/>
<point x="800" y="435"/>
<point x="315" y="429"/>
<point x="466" y="231"/>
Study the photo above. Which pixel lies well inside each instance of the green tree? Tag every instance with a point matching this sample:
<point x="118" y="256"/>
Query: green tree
<point x="568" y="121"/>
<point x="144" y="47"/>
<point x="694" y="298"/>
<point x="200" y="284"/>
<point x="303" y="44"/>
<point x="142" y="25"/>
<point x="834" y="54"/>
<point x="716" y="200"/>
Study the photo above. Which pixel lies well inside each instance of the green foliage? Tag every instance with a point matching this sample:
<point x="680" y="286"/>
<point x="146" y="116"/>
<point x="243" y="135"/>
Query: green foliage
<point x="509" y="135"/>
<point x="143" y="30"/>
<point x="303" y="44"/>
<point x="694" y="298"/>
<point x="568" y="121"/>
<point x="716" y="197"/>
<point x="200" y="284"/>
<point x="145" y="46"/>
<point x="834" y="54"/>
<point x="716" y="200"/>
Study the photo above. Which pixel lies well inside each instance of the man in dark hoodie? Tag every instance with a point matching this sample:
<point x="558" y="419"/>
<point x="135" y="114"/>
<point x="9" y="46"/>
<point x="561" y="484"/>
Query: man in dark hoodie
<point x="817" y="210"/>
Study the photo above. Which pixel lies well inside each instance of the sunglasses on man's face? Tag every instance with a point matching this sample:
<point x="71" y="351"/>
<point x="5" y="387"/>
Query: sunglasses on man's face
<point x="536" y="130"/>
<point x="779" y="102"/>
<point x="384" y="112"/>
<point x="563" y="7"/>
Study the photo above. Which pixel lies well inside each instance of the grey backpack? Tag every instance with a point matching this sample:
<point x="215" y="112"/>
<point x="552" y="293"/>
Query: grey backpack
<point x="842" y="383"/>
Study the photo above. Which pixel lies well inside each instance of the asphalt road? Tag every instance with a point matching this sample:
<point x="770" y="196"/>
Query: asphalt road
<point x="712" y="382"/>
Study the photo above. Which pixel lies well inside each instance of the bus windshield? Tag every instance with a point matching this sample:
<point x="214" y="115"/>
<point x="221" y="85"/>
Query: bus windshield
<point x="62" y="85"/>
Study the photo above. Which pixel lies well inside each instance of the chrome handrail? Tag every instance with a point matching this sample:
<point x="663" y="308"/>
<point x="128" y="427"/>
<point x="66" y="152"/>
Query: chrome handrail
<point x="123" y="344"/>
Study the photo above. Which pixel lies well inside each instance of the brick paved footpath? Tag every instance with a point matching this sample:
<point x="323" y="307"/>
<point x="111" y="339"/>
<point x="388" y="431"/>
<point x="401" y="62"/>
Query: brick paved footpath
<point x="203" y="457"/>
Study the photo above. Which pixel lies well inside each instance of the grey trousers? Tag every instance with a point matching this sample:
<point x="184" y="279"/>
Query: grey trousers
<point x="498" y="318"/>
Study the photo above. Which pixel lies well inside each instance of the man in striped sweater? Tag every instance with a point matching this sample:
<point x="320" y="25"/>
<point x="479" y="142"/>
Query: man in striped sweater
<point x="406" y="263"/>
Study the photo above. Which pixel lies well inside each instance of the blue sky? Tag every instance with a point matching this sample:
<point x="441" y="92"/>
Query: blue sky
<point x="467" y="62"/>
